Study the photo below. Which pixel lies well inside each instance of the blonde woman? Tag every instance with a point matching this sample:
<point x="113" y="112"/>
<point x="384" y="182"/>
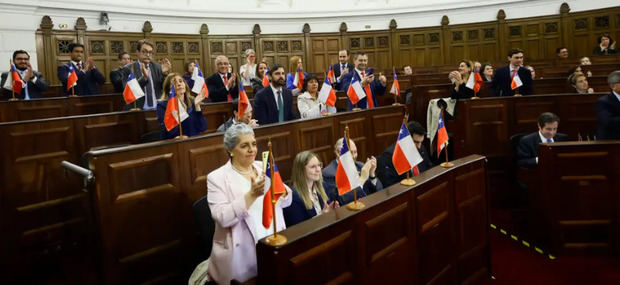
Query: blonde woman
<point x="196" y="123"/>
<point x="295" y="64"/>
<point x="248" y="70"/>
<point x="309" y="198"/>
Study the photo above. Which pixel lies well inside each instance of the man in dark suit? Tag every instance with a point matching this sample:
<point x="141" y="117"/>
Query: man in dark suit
<point x="504" y="75"/>
<point x="274" y="104"/>
<point x="527" y="149"/>
<point x="385" y="167"/>
<point x="608" y="110"/>
<point x="36" y="83"/>
<point x="246" y="119"/>
<point x="377" y="85"/>
<point x="342" y="67"/>
<point x="366" y="170"/>
<point x="222" y="85"/>
<point x="149" y="74"/>
<point x="116" y="75"/>
<point x="89" y="77"/>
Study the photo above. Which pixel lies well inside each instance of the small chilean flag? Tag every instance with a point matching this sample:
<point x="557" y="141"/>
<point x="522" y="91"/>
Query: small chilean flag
<point x="347" y="177"/>
<point x="355" y="91"/>
<point x="395" y="86"/>
<point x="330" y="75"/>
<point x="15" y="82"/>
<point x="71" y="78"/>
<point x="266" y="78"/>
<point x="199" y="81"/>
<point x="268" y="210"/>
<point x="173" y="108"/>
<point x="132" y="91"/>
<point x="474" y="81"/>
<point x="442" y="135"/>
<point x="327" y="95"/>
<point x="406" y="155"/>
<point x="299" y="79"/>
<point x="244" y="103"/>
<point x="516" y="80"/>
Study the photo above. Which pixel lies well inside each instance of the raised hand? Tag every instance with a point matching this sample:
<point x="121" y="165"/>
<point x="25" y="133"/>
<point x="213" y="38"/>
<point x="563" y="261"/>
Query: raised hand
<point x="382" y="78"/>
<point x="231" y="80"/>
<point x="29" y="73"/>
<point x="165" y="65"/>
<point x="144" y="72"/>
<point x="373" y="165"/>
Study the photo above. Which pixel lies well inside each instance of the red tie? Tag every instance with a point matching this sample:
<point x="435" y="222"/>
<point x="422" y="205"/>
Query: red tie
<point x="79" y="66"/>
<point x="416" y="171"/>
<point x="371" y="104"/>
<point x="514" y="71"/>
<point x="226" y="83"/>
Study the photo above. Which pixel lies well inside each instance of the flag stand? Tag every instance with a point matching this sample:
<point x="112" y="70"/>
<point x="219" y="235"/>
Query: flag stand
<point x="356" y="108"/>
<point x="407" y="181"/>
<point x="72" y="92"/>
<point x="475" y="96"/>
<point x="135" y="106"/>
<point x="446" y="164"/>
<point x="275" y="239"/>
<point x="179" y="118"/>
<point x="517" y="94"/>
<point x="355" y="205"/>
<point x="396" y="103"/>
<point x="7" y="78"/>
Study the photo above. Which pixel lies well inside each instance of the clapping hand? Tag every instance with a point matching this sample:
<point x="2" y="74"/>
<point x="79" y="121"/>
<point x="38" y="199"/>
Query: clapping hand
<point x="231" y="80"/>
<point x="29" y="73"/>
<point x="258" y="186"/>
<point x="382" y="79"/>
<point x="165" y="65"/>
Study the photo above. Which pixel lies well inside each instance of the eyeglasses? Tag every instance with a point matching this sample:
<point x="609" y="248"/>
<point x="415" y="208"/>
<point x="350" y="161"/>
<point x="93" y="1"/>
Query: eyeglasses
<point x="146" y="51"/>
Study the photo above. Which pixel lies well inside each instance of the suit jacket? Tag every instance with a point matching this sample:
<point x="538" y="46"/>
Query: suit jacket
<point x="35" y="89"/>
<point x="608" y="116"/>
<point x="88" y="81"/>
<point x="224" y="126"/>
<point x="527" y="149"/>
<point x="157" y="77"/>
<point x="331" y="189"/>
<point x="234" y="227"/>
<point x="376" y="88"/>
<point x="338" y="71"/>
<point x="266" y="108"/>
<point x="501" y="82"/>
<point x="297" y="212"/>
<point x="385" y="167"/>
<point x="217" y="89"/>
<point x="118" y="79"/>
<point x="463" y="93"/>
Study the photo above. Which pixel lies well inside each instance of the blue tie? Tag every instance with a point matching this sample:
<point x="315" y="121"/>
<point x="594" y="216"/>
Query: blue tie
<point x="549" y="140"/>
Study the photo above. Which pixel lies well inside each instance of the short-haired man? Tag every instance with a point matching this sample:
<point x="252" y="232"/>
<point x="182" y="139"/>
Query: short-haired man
<point x="342" y="67"/>
<point x="562" y="52"/>
<point x="89" y="77"/>
<point x="368" y="178"/>
<point x="527" y="148"/>
<point x="503" y="76"/>
<point x="245" y="119"/>
<point x="377" y="84"/>
<point x="385" y="167"/>
<point x="222" y="84"/>
<point x="116" y="75"/>
<point x="274" y="104"/>
<point x="35" y="82"/>
<point x="149" y="74"/>
<point x="608" y="110"/>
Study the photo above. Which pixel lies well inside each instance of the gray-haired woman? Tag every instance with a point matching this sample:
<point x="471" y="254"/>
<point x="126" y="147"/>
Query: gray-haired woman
<point x="235" y="193"/>
<point x="248" y="70"/>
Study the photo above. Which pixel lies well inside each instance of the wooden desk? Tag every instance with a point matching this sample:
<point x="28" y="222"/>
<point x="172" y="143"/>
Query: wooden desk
<point x="435" y="232"/>
<point x="576" y="202"/>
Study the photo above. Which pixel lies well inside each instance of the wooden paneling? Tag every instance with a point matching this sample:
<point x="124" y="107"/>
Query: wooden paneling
<point x="232" y="47"/>
<point x="11" y="111"/>
<point x="279" y="49"/>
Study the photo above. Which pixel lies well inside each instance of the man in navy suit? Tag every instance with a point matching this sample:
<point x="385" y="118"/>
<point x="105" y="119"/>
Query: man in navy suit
<point x="377" y="85"/>
<point x="527" y="149"/>
<point x="149" y="74"/>
<point x="367" y="171"/>
<point x="222" y="85"/>
<point x="274" y="104"/>
<point x="89" y="77"/>
<point x="36" y="83"/>
<point x="342" y="67"/>
<point x="503" y="76"/>
<point x="608" y="110"/>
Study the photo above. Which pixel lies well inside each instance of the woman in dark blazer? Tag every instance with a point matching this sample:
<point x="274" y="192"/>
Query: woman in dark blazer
<point x="459" y="81"/>
<point x="309" y="198"/>
<point x="196" y="123"/>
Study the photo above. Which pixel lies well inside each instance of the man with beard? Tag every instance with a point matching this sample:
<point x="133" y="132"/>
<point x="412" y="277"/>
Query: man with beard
<point x="89" y="77"/>
<point x="274" y="104"/>
<point x="35" y="82"/>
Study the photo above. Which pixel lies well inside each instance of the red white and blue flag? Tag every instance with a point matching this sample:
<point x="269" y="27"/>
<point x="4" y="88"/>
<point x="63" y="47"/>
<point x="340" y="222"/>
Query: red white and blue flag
<point x="266" y="78"/>
<point x="355" y="91"/>
<point x="244" y="103"/>
<point x="395" y="86"/>
<point x="132" y="91"/>
<point x="516" y="80"/>
<point x="199" y="81"/>
<point x="347" y="177"/>
<point x="406" y="155"/>
<point x="279" y="188"/>
<point x="174" y="110"/>
<point x="330" y="75"/>
<point x="72" y="77"/>
<point x="299" y="79"/>
<point x="327" y="95"/>
<point x="442" y="135"/>
<point x="474" y="81"/>
<point x="14" y="82"/>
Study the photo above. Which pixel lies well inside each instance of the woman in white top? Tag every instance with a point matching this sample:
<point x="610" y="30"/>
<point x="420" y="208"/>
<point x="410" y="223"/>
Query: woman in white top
<point x="235" y="193"/>
<point x="308" y="103"/>
<point x="248" y="70"/>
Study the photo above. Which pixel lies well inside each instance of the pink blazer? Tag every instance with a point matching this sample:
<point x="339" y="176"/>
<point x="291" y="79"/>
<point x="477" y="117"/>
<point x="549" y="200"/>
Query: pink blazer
<point x="234" y="243"/>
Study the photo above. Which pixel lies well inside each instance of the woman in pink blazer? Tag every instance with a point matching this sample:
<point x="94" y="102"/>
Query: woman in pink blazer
<point x="235" y="193"/>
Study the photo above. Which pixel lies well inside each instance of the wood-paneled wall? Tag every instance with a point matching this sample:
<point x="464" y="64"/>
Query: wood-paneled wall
<point x="438" y="45"/>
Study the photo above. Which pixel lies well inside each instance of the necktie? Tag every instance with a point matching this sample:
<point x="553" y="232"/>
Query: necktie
<point x="416" y="171"/>
<point x="514" y="71"/>
<point x="79" y="66"/>
<point x="342" y="68"/>
<point x="280" y="107"/>
<point x="371" y="103"/>
<point x="149" y="89"/>
<point x="549" y="140"/>
<point x="228" y="97"/>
